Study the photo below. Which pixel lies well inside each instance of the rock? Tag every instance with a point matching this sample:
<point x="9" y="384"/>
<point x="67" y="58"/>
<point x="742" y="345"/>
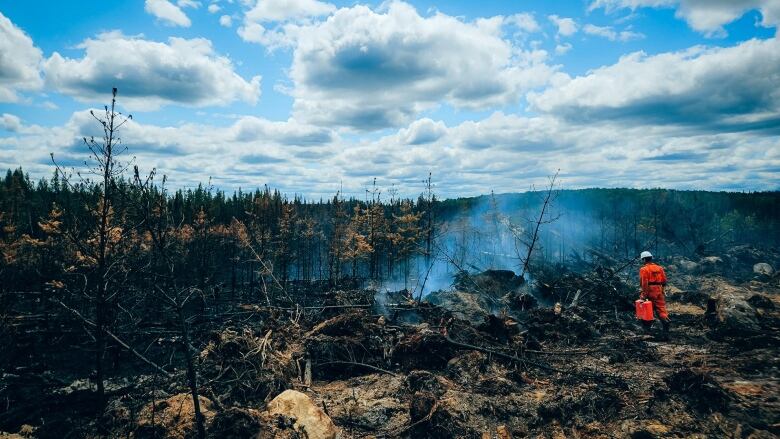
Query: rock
<point x="309" y="418"/>
<point x="688" y="266"/>
<point x="25" y="432"/>
<point x="173" y="418"/>
<point x="763" y="268"/>
<point x="731" y="314"/>
<point x="711" y="264"/>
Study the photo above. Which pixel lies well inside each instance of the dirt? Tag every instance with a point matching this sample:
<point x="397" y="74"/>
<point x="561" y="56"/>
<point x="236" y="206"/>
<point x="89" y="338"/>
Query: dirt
<point x="551" y="367"/>
<point x="613" y="380"/>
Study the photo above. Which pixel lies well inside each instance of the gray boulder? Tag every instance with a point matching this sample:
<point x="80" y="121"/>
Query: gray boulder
<point x="729" y="313"/>
<point x="711" y="264"/>
<point x="688" y="266"/>
<point x="763" y="268"/>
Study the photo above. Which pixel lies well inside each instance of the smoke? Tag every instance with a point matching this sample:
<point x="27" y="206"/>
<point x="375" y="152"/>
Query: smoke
<point x="495" y="233"/>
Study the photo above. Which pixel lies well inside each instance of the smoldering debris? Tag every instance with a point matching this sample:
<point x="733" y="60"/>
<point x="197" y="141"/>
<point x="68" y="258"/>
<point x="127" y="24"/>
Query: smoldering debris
<point x="494" y="356"/>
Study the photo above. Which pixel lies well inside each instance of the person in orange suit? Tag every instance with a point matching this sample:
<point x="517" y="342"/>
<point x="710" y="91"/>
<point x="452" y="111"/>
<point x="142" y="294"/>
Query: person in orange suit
<point x="652" y="280"/>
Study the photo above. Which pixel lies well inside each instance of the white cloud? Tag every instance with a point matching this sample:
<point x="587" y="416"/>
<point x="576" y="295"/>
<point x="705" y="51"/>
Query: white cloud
<point x="706" y="16"/>
<point x="150" y="74"/>
<point x="214" y="8"/>
<point x="275" y="23"/>
<point x="188" y="4"/>
<point x="225" y="21"/>
<point x="250" y="152"/>
<point x="275" y="37"/>
<point x="502" y="152"/>
<point x="720" y="89"/>
<point x="562" y="49"/>
<point x="249" y="128"/>
<point x="698" y="118"/>
<point x="19" y="62"/>
<point x="423" y="131"/>
<point x="613" y="5"/>
<point x="10" y="122"/>
<point x="566" y="26"/>
<point x="49" y="105"/>
<point x="282" y="10"/>
<point x="523" y="21"/>
<point x="167" y="12"/>
<point x="611" y="34"/>
<point x="367" y="70"/>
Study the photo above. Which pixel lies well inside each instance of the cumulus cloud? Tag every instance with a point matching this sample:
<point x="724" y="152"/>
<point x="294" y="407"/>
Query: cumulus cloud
<point x="503" y="152"/>
<point x="19" y="62"/>
<point x="282" y="10"/>
<point x="10" y="122"/>
<point x="188" y="4"/>
<point x="214" y="8"/>
<point x="611" y="34"/>
<point x="566" y="26"/>
<point x="613" y="5"/>
<point x="250" y="152"/>
<point x="733" y="88"/>
<point x="275" y="23"/>
<point x="524" y="22"/>
<point x="225" y="21"/>
<point x="150" y="74"/>
<point x="562" y="49"/>
<point x="273" y="37"/>
<point x="423" y="131"/>
<point x="508" y="153"/>
<point x="167" y="13"/>
<point x="250" y="128"/>
<point x="367" y="70"/>
<point x="706" y="16"/>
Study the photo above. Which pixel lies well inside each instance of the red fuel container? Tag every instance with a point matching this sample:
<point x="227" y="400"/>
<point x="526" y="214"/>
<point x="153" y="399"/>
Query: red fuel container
<point x="644" y="309"/>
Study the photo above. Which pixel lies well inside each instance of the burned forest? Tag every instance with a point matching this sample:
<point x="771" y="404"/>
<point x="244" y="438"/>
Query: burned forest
<point x="130" y="309"/>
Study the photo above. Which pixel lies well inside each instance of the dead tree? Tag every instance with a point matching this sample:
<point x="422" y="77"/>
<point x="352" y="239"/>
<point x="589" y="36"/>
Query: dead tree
<point x="162" y="229"/>
<point x="178" y="302"/>
<point x="97" y="251"/>
<point x="550" y="193"/>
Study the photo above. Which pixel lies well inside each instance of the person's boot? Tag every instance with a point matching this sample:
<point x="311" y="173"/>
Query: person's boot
<point x="665" y="324"/>
<point x="647" y="326"/>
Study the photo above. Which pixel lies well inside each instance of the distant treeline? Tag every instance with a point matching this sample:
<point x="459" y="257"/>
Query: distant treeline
<point x="623" y="222"/>
<point x="221" y="238"/>
<point x="224" y="236"/>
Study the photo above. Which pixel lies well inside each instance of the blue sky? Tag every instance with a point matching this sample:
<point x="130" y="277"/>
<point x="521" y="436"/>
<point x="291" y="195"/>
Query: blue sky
<point x="310" y="96"/>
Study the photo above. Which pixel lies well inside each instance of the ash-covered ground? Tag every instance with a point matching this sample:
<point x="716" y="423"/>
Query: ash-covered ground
<point x="492" y="357"/>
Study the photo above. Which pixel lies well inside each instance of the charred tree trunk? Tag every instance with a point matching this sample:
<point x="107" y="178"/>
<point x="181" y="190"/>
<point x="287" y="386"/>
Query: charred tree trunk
<point x="192" y="376"/>
<point x="538" y="224"/>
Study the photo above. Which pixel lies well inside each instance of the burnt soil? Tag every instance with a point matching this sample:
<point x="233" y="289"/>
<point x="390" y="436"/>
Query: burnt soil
<point x="413" y="370"/>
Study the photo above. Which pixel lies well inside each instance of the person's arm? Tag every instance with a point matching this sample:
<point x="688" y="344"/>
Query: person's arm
<point x="643" y="284"/>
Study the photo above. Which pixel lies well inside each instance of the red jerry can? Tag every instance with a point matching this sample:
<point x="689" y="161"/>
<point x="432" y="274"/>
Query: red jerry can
<point x="644" y="309"/>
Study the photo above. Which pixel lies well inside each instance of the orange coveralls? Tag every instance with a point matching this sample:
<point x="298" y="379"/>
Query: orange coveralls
<point x="652" y="280"/>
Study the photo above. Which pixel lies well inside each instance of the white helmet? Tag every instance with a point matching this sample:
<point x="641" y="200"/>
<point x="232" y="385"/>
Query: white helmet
<point x="645" y="254"/>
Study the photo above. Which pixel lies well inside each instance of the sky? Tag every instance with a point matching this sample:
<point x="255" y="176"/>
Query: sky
<point x="313" y="97"/>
